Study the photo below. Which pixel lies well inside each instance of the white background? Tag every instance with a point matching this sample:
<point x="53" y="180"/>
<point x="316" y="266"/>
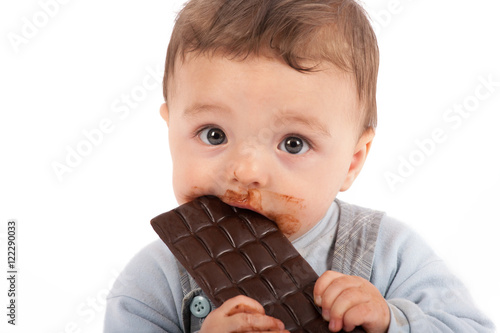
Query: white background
<point x="72" y="72"/>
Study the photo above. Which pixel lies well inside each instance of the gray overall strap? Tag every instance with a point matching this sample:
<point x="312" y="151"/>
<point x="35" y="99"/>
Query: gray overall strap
<point x="190" y="290"/>
<point x="354" y="246"/>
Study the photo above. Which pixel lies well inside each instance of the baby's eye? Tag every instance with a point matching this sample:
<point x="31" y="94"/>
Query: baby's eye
<point x="294" y="145"/>
<point x="212" y="136"/>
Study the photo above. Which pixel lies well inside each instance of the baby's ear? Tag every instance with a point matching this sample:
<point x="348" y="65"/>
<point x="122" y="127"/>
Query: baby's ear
<point x="358" y="158"/>
<point x="164" y="112"/>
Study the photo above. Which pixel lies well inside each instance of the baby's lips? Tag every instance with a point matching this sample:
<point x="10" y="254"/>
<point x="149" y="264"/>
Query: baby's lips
<point x="251" y="199"/>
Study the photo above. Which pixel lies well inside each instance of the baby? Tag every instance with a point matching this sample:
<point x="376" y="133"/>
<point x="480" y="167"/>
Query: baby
<point x="270" y="106"/>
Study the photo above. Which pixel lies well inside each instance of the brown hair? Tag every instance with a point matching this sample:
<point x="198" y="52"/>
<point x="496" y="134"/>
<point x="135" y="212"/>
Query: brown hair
<point x="296" y="31"/>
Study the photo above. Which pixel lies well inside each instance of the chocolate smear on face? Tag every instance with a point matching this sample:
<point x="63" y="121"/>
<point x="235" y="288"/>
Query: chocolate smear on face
<point x="251" y="198"/>
<point x="287" y="223"/>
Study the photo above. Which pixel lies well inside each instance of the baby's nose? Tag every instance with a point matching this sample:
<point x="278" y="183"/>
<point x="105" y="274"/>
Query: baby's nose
<point x="250" y="169"/>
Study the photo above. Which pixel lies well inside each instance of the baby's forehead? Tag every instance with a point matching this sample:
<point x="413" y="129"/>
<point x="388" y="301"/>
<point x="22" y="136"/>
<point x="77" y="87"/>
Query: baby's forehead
<point x="268" y="85"/>
<point x="273" y="67"/>
<point x="201" y="62"/>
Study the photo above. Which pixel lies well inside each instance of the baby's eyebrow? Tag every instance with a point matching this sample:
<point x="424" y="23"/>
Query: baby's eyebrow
<point x="312" y="123"/>
<point x="197" y="108"/>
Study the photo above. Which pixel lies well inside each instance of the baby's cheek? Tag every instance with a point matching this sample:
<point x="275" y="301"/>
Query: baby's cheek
<point x="192" y="192"/>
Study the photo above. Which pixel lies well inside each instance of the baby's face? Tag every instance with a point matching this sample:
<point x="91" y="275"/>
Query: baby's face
<point x="260" y="135"/>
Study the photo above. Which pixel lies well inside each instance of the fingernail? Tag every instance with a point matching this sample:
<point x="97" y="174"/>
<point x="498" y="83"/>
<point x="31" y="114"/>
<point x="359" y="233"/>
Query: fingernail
<point x="326" y="315"/>
<point x="281" y="326"/>
<point x="317" y="300"/>
<point x="331" y="326"/>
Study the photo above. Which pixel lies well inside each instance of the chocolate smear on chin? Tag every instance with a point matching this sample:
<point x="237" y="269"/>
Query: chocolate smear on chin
<point x="287" y="223"/>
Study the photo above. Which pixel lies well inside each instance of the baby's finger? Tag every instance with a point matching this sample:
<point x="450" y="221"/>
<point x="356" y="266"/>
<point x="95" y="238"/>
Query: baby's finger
<point x="347" y="300"/>
<point x="281" y="331"/>
<point x="322" y="284"/>
<point x="252" y="322"/>
<point x="241" y="304"/>
<point x="335" y="289"/>
<point x="373" y="316"/>
<point x="359" y="315"/>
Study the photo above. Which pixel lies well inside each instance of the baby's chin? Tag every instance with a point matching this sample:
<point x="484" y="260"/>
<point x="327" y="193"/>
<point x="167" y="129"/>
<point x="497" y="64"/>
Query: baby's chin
<point x="287" y="223"/>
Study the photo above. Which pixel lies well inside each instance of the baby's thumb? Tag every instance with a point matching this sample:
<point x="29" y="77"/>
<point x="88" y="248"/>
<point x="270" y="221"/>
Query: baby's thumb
<point x="242" y="304"/>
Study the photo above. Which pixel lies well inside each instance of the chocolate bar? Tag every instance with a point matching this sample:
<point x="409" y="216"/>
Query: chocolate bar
<point x="231" y="251"/>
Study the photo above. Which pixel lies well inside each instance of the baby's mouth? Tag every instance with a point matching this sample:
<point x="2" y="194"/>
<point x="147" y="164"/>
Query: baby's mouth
<point x="252" y="200"/>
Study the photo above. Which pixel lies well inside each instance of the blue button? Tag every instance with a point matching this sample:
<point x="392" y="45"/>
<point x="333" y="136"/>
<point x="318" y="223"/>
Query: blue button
<point x="200" y="307"/>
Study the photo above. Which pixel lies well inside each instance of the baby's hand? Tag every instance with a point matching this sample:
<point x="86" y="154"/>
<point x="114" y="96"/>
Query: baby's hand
<point x="241" y="314"/>
<point x="349" y="301"/>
